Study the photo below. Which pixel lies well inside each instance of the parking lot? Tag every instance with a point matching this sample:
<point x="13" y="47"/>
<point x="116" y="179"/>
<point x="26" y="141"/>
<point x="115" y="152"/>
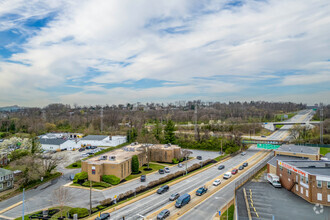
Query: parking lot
<point x="269" y="201"/>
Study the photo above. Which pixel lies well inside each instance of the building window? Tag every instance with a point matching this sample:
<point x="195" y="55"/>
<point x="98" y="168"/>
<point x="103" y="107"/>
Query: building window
<point x="93" y="172"/>
<point x="1" y="178"/>
<point x="301" y="178"/>
<point x="306" y="180"/>
<point x="289" y="172"/>
<point x="301" y="190"/>
<point x="328" y="197"/>
<point x="297" y="178"/>
<point x="319" y="184"/>
<point x="297" y="189"/>
<point x="307" y="192"/>
<point x="281" y="168"/>
<point x="1" y="185"/>
<point x="6" y="177"/>
<point x="328" y="185"/>
<point x="319" y="196"/>
<point x="8" y="184"/>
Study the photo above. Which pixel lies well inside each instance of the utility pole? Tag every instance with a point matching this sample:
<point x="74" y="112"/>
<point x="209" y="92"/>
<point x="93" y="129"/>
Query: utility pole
<point x="90" y="197"/>
<point x="195" y="118"/>
<point x="321" y="123"/>
<point x="221" y="147"/>
<point x="101" y="119"/>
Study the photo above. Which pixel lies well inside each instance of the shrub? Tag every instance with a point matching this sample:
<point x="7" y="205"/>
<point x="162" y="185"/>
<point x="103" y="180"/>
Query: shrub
<point x="106" y="202"/>
<point x="175" y="161"/>
<point x="135" y="164"/>
<point x="80" y="177"/>
<point x="82" y="212"/>
<point x="74" y="164"/>
<point x="100" y="207"/>
<point x="111" y="179"/>
<point x="96" y="184"/>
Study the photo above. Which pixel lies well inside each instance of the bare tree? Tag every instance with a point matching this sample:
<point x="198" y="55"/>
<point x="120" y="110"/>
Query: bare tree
<point x="61" y="196"/>
<point x="50" y="163"/>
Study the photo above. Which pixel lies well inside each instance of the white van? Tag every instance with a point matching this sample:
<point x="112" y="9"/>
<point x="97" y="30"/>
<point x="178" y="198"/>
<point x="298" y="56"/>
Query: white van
<point x="227" y="175"/>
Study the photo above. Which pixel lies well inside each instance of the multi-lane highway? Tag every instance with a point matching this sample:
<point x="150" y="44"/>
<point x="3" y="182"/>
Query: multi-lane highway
<point x="283" y="134"/>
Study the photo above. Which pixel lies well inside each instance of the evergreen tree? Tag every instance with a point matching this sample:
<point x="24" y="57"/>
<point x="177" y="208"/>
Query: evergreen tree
<point x="169" y="132"/>
<point x="135" y="164"/>
<point x="157" y="131"/>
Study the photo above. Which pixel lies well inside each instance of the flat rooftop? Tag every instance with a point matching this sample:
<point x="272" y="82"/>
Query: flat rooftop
<point x="315" y="167"/>
<point x="94" y="138"/>
<point x="298" y="149"/>
<point x="164" y="146"/>
<point x="273" y="161"/>
<point x="118" y="155"/>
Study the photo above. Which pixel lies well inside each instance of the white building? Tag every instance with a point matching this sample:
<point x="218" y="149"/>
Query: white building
<point x="56" y="144"/>
<point x="102" y="140"/>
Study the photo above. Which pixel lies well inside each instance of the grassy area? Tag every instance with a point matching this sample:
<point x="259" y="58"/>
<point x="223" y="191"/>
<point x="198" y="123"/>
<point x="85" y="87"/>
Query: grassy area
<point x="261" y="172"/>
<point x="279" y="126"/>
<point x="71" y="166"/>
<point x="230" y="212"/>
<point x="220" y="157"/>
<point x="324" y="150"/>
<point x="46" y="179"/>
<point x="154" y="167"/>
<point x="95" y="185"/>
<point x="54" y="217"/>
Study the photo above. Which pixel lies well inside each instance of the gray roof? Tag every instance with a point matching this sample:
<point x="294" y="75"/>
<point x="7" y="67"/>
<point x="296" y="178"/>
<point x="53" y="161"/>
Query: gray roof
<point x="4" y="172"/>
<point x="51" y="141"/>
<point x="313" y="166"/>
<point x="94" y="138"/>
<point x="327" y="155"/>
<point x="298" y="149"/>
<point x="273" y="161"/>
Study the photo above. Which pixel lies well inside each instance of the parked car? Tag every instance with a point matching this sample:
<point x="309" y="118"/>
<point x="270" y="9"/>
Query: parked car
<point x="180" y="165"/>
<point x="227" y="175"/>
<point x="263" y="136"/>
<point x="245" y="164"/>
<point x="221" y="167"/>
<point x="72" y="177"/>
<point x="163" y="189"/>
<point x="243" y="153"/>
<point x="241" y="167"/>
<point x="103" y="216"/>
<point x="93" y="147"/>
<point x="182" y="200"/>
<point x="167" y="170"/>
<point x="161" y="171"/>
<point x="201" y="191"/>
<point x="199" y="157"/>
<point x="143" y="178"/>
<point x="88" y="147"/>
<point x="163" y="214"/>
<point x="174" y="196"/>
<point x="84" y="155"/>
<point x="81" y="149"/>
<point x="234" y="171"/>
<point x="216" y="182"/>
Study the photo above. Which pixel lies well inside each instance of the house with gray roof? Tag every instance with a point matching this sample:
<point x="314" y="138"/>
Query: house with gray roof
<point x="55" y="144"/>
<point x="6" y="179"/>
<point x="102" y="140"/>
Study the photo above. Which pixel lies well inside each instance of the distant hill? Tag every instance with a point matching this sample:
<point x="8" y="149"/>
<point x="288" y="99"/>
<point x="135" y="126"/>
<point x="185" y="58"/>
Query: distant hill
<point x="13" y="108"/>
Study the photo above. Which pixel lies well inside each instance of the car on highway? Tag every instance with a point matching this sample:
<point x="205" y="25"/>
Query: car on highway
<point x="201" y="191"/>
<point x="163" y="189"/>
<point x="221" y="167"/>
<point x="216" y="182"/>
<point x="227" y="175"/>
<point x="143" y="178"/>
<point x="243" y="153"/>
<point x="81" y="149"/>
<point x="241" y="167"/>
<point x="104" y="216"/>
<point x="93" y="147"/>
<point x="182" y="200"/>
<point x="161" y="171"/>
<point x="234" y="171"/>
<point x="84" y="155"/>
<point x="174" y="196"/>
<point x="199" y="157"/>
<point x="180" y="165"/>
<point x="167" y="170"/>
<point x="245" y="164"/>
<point x="163" y="214"/>
<point x="263" y="136"/>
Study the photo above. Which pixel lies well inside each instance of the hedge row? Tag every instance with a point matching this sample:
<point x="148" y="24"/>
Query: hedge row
<point x="111" y="179"/>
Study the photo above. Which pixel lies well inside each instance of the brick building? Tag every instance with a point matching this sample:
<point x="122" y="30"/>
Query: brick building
<point x="307" y="179"/>
<point x="118" y="162"/>
<point x="6" y="179"/>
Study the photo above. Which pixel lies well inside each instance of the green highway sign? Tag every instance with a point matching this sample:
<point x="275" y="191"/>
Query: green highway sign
<point x="268" y="146"/>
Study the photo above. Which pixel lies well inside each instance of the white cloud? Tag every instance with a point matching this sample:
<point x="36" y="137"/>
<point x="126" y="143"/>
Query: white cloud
<point x="252" y="42"/>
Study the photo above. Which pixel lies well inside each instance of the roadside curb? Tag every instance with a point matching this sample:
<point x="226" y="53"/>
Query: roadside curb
<point x="10" y="207"/>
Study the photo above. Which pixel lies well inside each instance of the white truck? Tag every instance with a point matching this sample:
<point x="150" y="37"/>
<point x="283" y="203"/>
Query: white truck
<point x="274" y="180"/>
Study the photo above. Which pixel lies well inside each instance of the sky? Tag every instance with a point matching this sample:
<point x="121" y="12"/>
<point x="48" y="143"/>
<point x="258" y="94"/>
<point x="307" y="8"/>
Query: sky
<point x="90" y="52"/>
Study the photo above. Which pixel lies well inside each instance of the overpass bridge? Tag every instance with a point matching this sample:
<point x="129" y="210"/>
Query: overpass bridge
<point x="272" y="125"/>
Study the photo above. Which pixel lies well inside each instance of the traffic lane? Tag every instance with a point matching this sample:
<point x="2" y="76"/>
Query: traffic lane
<point x="214" y="203"/>
<point x="154" y="202"/>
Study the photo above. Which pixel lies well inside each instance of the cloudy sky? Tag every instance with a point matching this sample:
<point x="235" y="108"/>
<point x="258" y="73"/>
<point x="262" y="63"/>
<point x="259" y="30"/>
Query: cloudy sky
<point x="109" y="52"/>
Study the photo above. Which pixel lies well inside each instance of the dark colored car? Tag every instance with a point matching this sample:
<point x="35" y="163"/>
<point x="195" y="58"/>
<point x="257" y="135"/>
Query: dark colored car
<point x="163" y="214"/>
<point x="221" y="167"/>
<point x="103" y="216"/>
<point x="174" y="196"/>
<point x="234" y="171"/>
<point x="161" y="171"/>
<point x="93" y="147"/>
<point x="241" y="167"/>
<point x="199" y="157"/>
<point x="245" y="164"/>
<point x="81" y="149"/>
<point x="88" y="147"/>
<point x="201" y="191"/>
<point x="143" y="178"/>
<point x="163" y="189"/>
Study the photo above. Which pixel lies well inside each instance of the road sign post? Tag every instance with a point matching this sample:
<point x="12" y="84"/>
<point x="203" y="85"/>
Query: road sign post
<point x="219" y="214"/>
